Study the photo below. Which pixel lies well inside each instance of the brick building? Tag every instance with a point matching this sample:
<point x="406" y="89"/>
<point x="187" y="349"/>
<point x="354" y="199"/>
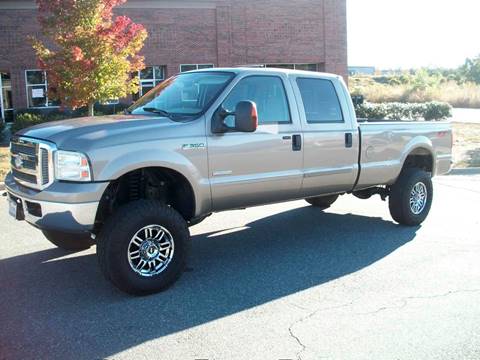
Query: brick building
<point x="189" y="34"/>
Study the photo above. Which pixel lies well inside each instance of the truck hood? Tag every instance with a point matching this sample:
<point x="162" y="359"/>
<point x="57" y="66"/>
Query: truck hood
<point x="82" y="134"/>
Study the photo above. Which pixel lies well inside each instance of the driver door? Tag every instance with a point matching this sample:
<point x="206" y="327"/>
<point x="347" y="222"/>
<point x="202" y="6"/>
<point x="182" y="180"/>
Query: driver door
<point x="261" y="167"/>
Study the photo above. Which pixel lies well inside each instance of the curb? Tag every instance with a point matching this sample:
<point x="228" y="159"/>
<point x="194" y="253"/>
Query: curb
<point x="466" y="171"/>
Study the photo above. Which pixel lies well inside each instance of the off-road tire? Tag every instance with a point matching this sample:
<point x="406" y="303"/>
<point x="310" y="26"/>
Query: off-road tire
<point x="400" y="192"/>
<point x="115" y="237"/>
<point x="322" y="202"/>
<point x="67" y="241"/>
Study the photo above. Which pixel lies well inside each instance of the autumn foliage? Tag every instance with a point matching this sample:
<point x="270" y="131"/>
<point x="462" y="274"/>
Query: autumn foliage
<point x="93" y="53"/>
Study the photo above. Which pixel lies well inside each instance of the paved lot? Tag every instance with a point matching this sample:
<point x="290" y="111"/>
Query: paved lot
<point x="275" y="282"/>
<point x="466" y="115"/>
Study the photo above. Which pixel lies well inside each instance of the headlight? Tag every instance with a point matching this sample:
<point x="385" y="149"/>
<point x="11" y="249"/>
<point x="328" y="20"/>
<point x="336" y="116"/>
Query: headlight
<point x="72" y="166"/>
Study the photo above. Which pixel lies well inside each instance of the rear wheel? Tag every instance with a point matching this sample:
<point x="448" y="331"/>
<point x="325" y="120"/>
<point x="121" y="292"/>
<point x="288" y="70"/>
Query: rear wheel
<point x="70" y="242"/>
<point x="322" y="202"/>
<point x="142" y="249"/>
<point x="411" y="197"/>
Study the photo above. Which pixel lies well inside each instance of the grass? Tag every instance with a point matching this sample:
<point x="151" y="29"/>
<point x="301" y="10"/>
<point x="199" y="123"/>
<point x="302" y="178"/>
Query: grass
<point x="466" y="148"/>
<point x="4" y="162"/>
<point x="465" y="95"/>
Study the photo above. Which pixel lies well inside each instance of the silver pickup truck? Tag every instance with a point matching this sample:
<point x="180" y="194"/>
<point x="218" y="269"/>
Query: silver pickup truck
<point x="207" y="141"/>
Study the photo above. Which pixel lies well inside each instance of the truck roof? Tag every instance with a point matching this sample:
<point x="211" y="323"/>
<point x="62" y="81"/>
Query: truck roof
<point x="259" y="70"/>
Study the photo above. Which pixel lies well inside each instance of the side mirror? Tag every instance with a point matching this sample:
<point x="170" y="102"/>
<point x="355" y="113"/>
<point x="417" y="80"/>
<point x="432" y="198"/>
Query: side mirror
<point x="245" y="116"/>
<point x="358" y="100"/>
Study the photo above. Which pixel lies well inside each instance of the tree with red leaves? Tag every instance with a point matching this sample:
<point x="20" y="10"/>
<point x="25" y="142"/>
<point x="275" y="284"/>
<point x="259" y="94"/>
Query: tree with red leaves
<point x="94" y="53"/>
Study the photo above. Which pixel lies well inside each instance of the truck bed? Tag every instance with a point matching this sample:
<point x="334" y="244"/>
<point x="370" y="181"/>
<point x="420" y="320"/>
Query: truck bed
<point x="385" y="144"/>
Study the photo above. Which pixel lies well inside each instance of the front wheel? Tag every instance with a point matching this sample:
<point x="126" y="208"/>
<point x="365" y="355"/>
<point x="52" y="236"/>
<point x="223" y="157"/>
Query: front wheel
<point x="66" y="241"/>
<point x="411" y="197"/>
<point x="142" y="249"/>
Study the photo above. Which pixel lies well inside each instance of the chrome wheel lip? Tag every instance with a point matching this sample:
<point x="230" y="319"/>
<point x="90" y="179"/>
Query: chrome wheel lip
<point x="150" y="250"/>
<point x="418" y="198"/>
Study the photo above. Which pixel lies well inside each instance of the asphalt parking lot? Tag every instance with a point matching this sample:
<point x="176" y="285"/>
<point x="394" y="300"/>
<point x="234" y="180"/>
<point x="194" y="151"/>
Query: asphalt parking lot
<point x="283" y="281"/>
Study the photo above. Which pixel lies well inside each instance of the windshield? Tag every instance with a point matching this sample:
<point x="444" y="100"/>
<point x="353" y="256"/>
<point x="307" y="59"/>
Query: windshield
<point x="184" y="95"/>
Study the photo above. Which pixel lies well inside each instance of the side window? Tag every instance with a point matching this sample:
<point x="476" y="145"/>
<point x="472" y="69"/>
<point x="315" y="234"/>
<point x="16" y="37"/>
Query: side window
<point x="269" y="95"/>
<point x="320" y="100"/>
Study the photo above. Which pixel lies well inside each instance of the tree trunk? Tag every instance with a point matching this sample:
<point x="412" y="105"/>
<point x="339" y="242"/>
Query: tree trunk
<point x="90" y="109"/>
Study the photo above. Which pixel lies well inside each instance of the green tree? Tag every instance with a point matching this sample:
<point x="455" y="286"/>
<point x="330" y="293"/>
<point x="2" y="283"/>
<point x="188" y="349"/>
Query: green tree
<point x="93" y="53"/>
<point x="471" y="70"/>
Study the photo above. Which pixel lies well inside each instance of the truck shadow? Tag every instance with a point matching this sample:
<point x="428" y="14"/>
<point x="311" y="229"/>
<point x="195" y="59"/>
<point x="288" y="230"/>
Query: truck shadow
<point x="58" y="306"/>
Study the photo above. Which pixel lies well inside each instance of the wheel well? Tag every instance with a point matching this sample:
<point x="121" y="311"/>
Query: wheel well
<point x="419" y="158"/>
<point x="163" y="184"/>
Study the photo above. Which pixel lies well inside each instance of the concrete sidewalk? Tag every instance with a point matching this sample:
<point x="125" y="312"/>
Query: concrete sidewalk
<point x="470" y="116"/>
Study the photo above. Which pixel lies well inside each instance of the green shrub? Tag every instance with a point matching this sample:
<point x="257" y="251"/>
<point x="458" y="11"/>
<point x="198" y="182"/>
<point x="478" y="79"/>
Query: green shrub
<point x="404" y="111"/>
<point x="29" y="117"/>
<point x="25" y="120"/>
<point x="436" y="110"/>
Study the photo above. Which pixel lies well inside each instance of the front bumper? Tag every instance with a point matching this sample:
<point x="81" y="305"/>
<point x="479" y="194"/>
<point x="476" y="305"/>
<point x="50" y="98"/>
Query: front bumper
<point x="72" y="217"/>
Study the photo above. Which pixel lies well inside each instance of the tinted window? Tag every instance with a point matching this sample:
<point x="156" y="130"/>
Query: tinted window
<point x="269" y="95"/>
<point x="320" y="100"/>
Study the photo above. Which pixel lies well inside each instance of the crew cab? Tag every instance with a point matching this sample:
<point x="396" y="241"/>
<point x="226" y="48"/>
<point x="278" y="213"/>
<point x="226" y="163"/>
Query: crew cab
<point x="208" y="141"/>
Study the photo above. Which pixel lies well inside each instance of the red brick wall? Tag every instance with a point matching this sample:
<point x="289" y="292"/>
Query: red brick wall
<point x="233" y="33"/>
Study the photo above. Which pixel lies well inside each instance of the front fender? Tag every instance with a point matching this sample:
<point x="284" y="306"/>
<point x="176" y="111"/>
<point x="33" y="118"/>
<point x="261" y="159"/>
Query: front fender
<point x="112" y="163"/>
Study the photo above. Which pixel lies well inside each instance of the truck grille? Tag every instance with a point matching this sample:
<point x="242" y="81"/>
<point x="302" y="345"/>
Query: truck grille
<point x="31" y="162"/>
<point x="32" y="179"/>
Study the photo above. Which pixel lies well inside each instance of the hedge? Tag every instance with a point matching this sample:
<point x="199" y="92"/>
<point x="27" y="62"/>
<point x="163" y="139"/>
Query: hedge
<point x="404" y="111"/>
<point x="29" y="117"/>
<point x="387" y="111"/>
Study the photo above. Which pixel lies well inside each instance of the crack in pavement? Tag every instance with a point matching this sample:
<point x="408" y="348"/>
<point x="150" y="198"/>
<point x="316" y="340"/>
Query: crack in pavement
<point x="404" y="302"/>
<point x="308" y="316"/>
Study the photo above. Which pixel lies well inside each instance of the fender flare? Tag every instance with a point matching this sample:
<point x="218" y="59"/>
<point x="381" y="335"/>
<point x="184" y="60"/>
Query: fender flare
<point x="418" y="143"/>
<point x="156" y="158"/>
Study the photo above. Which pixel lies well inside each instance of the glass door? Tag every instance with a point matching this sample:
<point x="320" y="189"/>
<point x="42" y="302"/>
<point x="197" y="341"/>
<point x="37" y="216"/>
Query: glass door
<point x="6" y="108"/>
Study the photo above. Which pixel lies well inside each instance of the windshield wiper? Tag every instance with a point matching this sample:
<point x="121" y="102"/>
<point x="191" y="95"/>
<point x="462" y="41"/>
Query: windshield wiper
<point x="171" y="116"/>
<point x="159" y="112"/>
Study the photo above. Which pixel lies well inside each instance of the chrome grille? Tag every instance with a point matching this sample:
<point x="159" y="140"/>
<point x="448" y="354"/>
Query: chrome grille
<point x="45" y="174"/>
<point x="24" y="177"/>
<point x="28" y="149"/>
<point x="31" y="162"/>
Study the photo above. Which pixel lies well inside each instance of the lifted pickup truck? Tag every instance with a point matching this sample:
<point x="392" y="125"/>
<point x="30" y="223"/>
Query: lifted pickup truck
<point x="207" y="141"/>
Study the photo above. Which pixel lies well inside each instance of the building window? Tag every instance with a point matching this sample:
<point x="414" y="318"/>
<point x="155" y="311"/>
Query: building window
<point x="190" y="67"/>
<point x="305" y="67"/>
<point x="37" y="89"/>
<point x="150" y="77"/>
<point x="6" y="107"/>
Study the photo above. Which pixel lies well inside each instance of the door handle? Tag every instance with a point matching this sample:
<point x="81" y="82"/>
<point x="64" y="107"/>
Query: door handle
<point x="297" y="143"/>
<point x="348" y="140"/>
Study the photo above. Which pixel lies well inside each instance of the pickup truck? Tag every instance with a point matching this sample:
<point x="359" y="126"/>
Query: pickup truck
<point x="207" y="141"/>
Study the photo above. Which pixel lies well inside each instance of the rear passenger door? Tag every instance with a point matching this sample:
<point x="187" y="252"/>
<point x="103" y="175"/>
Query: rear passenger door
<point x="264" y="166"/>
<point x="331" y="142"/>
